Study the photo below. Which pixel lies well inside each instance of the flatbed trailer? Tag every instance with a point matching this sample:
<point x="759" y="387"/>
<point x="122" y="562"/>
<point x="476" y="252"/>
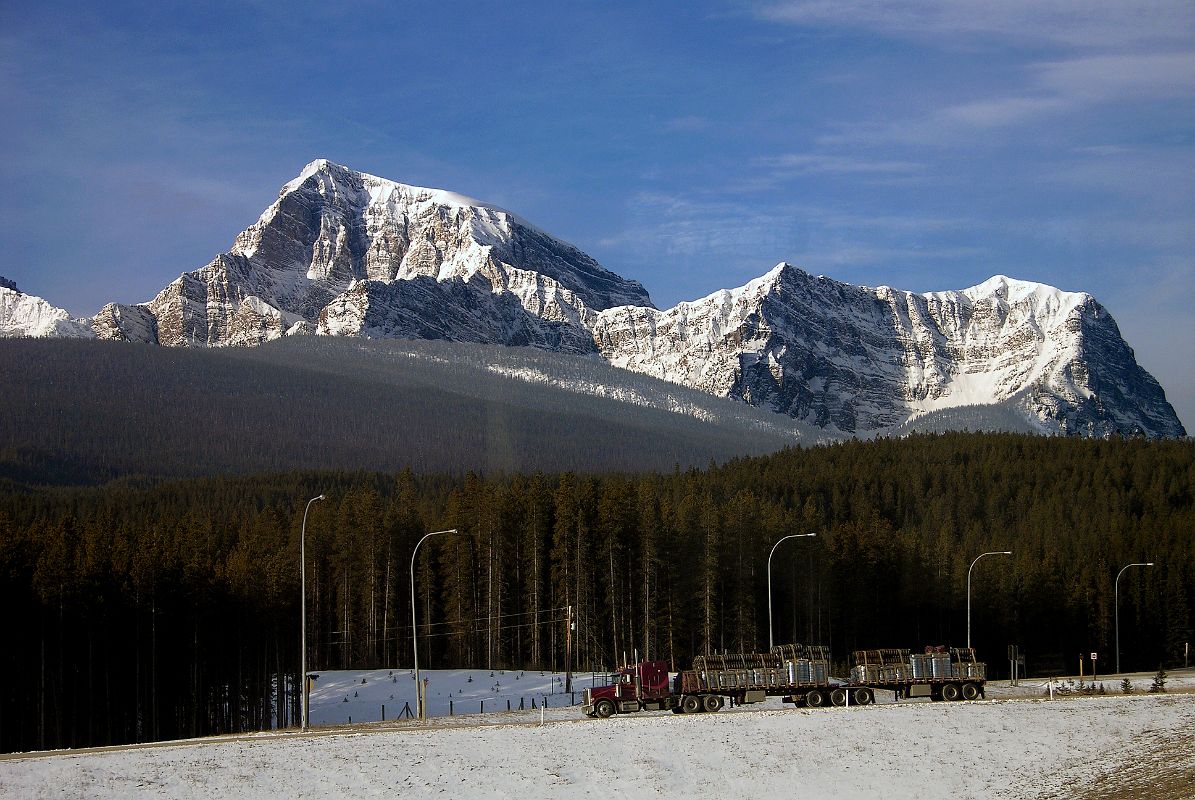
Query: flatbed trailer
<point x="798" y="674"/>
<point x="939" y="673"/>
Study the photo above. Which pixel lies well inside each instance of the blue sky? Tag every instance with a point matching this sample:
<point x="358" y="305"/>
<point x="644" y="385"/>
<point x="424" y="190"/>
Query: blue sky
<point x="921" y="144"/>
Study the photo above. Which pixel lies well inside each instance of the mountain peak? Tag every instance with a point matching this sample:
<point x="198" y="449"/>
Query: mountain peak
<point x="316" y="165"/>
<point x="1013" y="291"/>
<point x="28" y="315"/>
<point x="381" y="189"/>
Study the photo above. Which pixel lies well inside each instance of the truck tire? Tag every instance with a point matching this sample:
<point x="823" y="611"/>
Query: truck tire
<point x="712" y="702"/>
<point x="970" y="691"/>
<point x="950" y="691"/>
<point x="814" y="698"/>
<point x="838" y="697"/>
<point x="603" y="708"/>
<point x="862" y="697"/>
<point x="690" y="704"/>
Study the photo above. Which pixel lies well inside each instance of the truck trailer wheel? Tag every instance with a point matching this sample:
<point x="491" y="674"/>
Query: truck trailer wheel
<point x="950" y="691"/>
<point x="603" y="708"/>
<point x="838" y="697"/>
<point x="970" y="691"/>
<point x="815" y="699"/>
<point x="690" y="704"/>
<point x="712" y="702"/>
<point x="862" y="697"/>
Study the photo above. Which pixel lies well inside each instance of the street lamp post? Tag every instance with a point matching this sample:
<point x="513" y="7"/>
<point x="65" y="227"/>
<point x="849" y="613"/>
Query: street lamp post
<point x="415" y="624"/>
<point x="1116" y="585"/>
<point x="790" y="536"/>
<point x="981" y="555"/>
<point x="303" y="609"/>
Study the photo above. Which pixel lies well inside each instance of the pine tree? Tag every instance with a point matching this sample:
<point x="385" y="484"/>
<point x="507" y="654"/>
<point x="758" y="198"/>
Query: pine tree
<point x="1159" y="684"/>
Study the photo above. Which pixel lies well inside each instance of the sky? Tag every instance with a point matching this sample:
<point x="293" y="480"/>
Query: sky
<point x="919" y="144"/>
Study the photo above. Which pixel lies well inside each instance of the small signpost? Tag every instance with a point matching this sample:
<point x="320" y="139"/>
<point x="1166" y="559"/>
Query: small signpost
<point x="1094" y="658"/>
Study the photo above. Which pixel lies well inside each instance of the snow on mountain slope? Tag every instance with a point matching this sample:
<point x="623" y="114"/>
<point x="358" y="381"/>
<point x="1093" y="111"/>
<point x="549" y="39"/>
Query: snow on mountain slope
<point x="345" y="253"/>
<point x="859" y="360"/>
<point x="27" y="315"/>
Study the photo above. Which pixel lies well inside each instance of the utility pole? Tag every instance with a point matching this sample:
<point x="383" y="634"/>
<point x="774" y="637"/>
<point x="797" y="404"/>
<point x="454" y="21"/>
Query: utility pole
<point x="419" y="687"/>
<point x="568" y="650"/>
<point x="305" y="722"/>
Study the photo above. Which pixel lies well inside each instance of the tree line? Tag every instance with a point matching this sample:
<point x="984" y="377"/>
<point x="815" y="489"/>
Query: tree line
<point x="143" y="612"/>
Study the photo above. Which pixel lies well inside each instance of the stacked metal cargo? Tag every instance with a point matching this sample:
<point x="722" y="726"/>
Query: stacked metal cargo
<point x="964" y="667"/>
<point x="734" y="671"/>
<point x="805" y="665"/>
<point x="785" y="666"/>
<point x="938" y="672"/>
<point x="881" y="666"/>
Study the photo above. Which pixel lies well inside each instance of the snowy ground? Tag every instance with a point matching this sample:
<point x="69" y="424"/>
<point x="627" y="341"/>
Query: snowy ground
<point x="341" y="697"/>
<point x="1094" y="748"/>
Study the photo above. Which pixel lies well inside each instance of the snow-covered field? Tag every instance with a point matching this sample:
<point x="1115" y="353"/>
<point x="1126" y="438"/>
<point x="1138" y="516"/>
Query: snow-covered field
<point x="340" y="697"/>
<point x="1112" y="746"/>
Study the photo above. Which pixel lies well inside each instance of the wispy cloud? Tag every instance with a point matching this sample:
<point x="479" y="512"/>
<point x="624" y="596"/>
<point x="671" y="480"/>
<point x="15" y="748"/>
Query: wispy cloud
<point x="769" y="173"/>
<point x="995" y="112"/>
<point x="721" y="242"/>
<point x="1113" y="78"/>
<point x="687" y="124"/>
<point x="1047" y="90"/>
<point x="822" y="163"/>
<point x="1097" y="23"/>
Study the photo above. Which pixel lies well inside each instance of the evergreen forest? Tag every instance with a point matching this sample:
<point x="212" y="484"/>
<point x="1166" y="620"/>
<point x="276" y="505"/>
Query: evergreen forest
<point x="152" y="609"/>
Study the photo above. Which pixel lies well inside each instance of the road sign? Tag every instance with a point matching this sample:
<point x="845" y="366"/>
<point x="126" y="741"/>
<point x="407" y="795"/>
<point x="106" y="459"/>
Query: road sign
<point x="1095" y="656"/>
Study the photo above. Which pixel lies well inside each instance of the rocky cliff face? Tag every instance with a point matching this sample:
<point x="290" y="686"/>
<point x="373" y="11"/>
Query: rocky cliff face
<point x="861" y="360"/>
<point x="348" y="254"/>
<point x="455" y="310"/>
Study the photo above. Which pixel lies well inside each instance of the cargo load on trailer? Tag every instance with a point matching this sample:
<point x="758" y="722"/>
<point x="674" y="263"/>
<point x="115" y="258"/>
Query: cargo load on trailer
<point x="939" y="673"/>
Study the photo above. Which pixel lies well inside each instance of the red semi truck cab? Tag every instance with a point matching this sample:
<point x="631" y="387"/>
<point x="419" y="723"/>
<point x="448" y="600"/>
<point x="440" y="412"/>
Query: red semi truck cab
<point x="640" y="687"/>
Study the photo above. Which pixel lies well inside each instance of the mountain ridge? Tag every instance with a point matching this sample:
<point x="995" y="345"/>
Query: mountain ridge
<point x="341" y="252"/>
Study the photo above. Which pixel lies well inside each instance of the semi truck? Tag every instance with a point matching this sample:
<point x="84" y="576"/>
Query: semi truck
<point x="798" y="674"/>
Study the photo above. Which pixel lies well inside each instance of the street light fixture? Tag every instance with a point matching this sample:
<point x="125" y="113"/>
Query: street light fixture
<point x="415" y="624"/>
<point x="1116" y="584"/>
<point x="790" y="536"/>
<point x="303" y="608"/>
<point x="981" y="555"/>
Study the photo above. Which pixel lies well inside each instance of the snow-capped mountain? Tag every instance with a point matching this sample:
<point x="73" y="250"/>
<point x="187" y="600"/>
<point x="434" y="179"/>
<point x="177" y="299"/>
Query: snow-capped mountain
<point x="345" y="253"/>
<point x="26" y="315"/>
<point x="332" y="228"/>
<point x="861" y="360"/>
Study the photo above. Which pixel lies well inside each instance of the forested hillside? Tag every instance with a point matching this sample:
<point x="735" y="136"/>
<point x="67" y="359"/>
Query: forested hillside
<point x="141" y="613"/>
<point x="88" y="412"/>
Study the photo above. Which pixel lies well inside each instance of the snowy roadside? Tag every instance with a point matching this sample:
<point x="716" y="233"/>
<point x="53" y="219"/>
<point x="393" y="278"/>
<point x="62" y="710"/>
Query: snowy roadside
<point x="1088" y="747"/>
